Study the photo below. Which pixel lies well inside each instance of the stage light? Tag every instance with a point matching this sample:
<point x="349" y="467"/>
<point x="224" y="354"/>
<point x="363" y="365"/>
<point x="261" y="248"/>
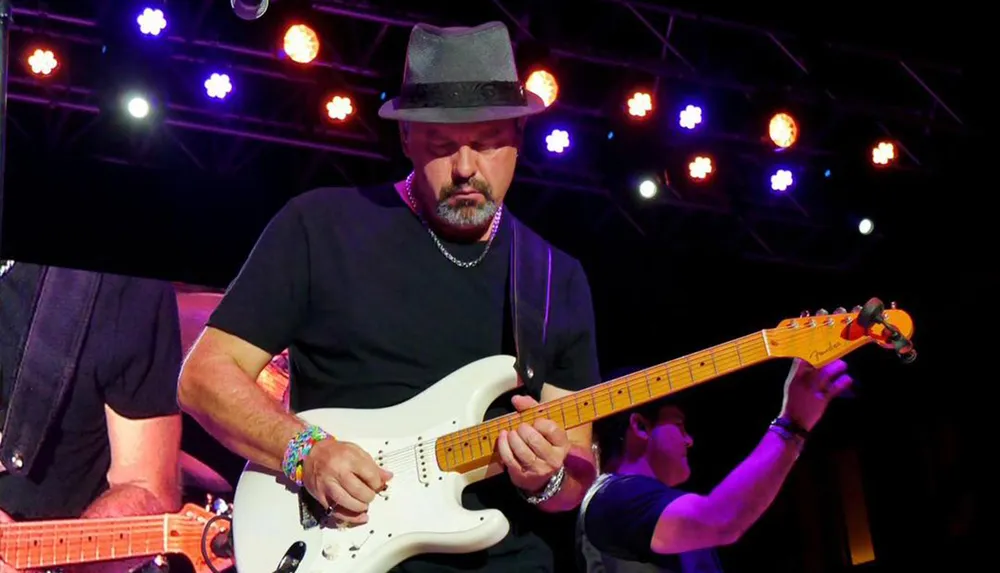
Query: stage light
<point x="640" y="104"/>
<point x="151" y="22"/>
<point x="218" y="86"/>
<point x="647" y="189"/>
<point x="137" y="106"/>
<point x="301" y="44"/>
<point x="557" y="141"/>
<point x="866" y="226"/>
<point x="690" y="117"/>
<point x="781" y="180"/>
<point x="42" y="62"/>
<point x="339" y="107"/>
<point x="884" y="153"/>
<point x="544" y="85"/>
<point x="700" y="168"/>
<point x="783" y="130"/>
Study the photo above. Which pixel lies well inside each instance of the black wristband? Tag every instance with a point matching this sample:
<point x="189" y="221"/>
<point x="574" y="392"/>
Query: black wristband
<point x="789" y="425"/>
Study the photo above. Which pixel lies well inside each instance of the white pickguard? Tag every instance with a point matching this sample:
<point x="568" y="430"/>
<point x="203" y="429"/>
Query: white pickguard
<point x="420" y="512"/>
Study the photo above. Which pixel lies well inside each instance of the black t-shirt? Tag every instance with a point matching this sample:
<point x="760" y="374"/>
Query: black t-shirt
<point x="130" y="361"/>
<point x="373" y="313"/>
<point x="616" y="528"/>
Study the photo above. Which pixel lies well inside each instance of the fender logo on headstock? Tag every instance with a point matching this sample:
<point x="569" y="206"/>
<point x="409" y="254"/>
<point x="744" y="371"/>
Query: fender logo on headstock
<point x="817" y="354"/>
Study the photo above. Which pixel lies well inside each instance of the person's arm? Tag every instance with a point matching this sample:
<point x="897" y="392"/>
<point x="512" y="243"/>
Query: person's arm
<point x="721" y="517"/>
<point x="575" y="368"/>
<point x="254" y="322"/>
<point x="143" y="420"/>
<point x="735" y="504"/>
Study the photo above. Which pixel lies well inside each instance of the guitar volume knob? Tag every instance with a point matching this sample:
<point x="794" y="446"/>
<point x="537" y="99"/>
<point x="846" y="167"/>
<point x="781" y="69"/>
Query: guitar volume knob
<point x="330" y="551"/>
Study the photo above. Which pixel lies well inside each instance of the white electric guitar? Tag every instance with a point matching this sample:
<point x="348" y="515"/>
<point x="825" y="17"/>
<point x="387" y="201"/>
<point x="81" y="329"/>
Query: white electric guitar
<point x="436" y="444"/>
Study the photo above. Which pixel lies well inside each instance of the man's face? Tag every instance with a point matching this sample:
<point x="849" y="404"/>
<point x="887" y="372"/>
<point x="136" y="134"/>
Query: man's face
<point x="462" y="171"/>
<point x="668" y="446"/>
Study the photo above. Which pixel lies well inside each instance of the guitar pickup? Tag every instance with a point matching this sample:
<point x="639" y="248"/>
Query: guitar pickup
<point x="311" y="513"/>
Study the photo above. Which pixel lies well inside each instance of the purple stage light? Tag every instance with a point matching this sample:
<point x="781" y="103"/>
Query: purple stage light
<point x="151" y="22"/>
<point x="218" y="86"/>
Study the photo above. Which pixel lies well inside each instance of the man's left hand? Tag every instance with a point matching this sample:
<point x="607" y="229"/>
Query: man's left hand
<point x="533" y="453"/>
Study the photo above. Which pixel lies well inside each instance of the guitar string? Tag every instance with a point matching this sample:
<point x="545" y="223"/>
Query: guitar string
<point x="728" y="357"/>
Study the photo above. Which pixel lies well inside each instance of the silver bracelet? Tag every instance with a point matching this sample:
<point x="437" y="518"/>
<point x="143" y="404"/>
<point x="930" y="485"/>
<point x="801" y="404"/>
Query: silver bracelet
<point x="551" y="488"/>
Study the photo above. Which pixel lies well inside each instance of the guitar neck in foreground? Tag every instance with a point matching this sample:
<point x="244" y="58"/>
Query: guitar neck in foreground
<point x="818" y="340"/>
<point x="471" y="448"/>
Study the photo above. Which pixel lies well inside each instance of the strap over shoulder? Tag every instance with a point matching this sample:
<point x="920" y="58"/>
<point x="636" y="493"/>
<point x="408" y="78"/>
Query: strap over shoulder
<point x="48" y="365"/>
<point x="531" y="295"/>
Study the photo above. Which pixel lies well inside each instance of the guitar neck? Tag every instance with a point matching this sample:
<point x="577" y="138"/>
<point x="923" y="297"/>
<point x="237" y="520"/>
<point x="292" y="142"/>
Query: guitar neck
<point x="48" y="544"/>
<point x="473" y="448"/>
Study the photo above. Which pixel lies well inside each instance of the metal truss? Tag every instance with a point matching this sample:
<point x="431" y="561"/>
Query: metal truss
<point x="777" y="229"/>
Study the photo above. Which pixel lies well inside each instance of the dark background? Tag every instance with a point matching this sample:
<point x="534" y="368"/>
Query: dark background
<point x="177" y="200"/>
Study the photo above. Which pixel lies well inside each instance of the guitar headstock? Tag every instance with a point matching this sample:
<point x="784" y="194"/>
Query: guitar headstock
<point x="195" y="526"/>
<point x="825" y="337"/>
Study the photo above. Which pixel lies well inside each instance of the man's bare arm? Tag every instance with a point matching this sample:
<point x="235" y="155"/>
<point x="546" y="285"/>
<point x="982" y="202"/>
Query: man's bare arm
<point x="720" y="518"/>
<point x="143" y="479"/>
<point x="218" y="389"/>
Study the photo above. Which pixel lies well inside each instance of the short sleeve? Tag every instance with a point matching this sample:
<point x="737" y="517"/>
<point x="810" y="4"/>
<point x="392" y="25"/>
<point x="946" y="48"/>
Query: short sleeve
<point x="622" y="514"/>
<point x="268" y="298"/>
<point x="147" y="339"/>
<point x="574" y="364"/>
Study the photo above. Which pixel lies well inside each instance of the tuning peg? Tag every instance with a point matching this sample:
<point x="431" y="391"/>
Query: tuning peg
<point x="892" y="305"/>
<point x="839" y="310"/>
<point x="805" y="314"/>
<point x="822" y="312"/>
<point x="856" y="309"/>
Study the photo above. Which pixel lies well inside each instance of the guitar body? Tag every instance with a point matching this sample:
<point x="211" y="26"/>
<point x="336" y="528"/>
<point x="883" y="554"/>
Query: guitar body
<point x="420" y="512"/>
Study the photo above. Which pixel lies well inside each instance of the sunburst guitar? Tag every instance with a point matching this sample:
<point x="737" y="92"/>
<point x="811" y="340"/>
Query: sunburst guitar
<point x="437" y="443"/>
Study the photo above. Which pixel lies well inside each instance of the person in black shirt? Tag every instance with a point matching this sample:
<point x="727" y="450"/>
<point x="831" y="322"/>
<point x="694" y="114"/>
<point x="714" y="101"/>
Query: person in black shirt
<point x="113" y="445"/>
<point x="380" y="292"/>
<point x="635" y="520"/>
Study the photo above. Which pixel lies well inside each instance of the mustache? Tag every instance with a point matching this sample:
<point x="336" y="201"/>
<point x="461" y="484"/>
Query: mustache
<point x="479" y="185"/>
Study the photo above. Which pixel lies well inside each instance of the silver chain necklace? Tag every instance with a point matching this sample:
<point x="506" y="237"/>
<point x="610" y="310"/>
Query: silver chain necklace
<point x="495" y="226"/>
<point x="5" y="266"/>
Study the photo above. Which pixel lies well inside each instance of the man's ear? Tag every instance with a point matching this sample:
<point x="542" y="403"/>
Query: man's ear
<point x="404" y="138"/>
<point x="639" y="426"/>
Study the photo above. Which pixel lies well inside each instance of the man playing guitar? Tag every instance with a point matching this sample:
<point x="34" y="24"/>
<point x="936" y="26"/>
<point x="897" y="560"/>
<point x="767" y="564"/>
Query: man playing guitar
<point x="112" y="442"/>
<point x="379" y="292"/>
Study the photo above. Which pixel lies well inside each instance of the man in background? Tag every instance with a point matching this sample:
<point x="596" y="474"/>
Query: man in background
<point x="634" y="519"/>
<point x="88" y="367"/>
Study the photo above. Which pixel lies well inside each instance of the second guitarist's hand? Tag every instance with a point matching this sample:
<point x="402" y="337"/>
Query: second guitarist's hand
<point x="342" y="476"/>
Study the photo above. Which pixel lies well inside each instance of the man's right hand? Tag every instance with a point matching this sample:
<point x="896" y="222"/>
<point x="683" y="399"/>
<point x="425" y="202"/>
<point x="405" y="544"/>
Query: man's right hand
<point x="808" y="390"/>
<point x="343" y="476"/>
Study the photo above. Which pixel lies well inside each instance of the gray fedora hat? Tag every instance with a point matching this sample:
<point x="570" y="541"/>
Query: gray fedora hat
<point x="460" y="75"/>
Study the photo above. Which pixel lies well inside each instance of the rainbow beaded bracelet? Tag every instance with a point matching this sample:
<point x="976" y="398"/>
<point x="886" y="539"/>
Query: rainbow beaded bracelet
<point x="298" y="449"/>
